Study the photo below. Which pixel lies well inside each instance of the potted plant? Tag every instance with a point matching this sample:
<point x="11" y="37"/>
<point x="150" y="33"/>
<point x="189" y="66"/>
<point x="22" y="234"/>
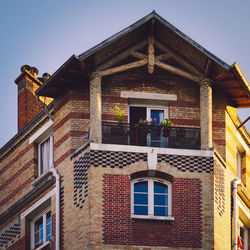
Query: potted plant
<point x="119" y="116"/>
<point x="167" y="124"/>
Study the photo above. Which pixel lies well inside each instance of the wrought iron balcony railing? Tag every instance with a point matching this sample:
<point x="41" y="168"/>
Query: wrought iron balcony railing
<point x="151" y="136"/>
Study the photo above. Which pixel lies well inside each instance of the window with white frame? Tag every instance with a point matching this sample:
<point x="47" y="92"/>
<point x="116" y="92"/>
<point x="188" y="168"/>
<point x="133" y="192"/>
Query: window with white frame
<point x="151" y="198"/>
<point x="45" y="154"/>
<point x="44" y="139"/>
<point x="155" y="114"/>
<point x="41" y="232"/>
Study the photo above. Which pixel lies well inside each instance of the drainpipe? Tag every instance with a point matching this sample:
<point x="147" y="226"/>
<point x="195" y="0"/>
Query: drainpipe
<point x="58" y="205"/>
<point x="45" y="109"/>
<point x="236" y="182"/>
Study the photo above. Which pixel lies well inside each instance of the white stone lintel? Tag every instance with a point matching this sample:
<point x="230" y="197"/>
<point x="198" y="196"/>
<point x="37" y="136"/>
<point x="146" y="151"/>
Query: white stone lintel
<point x="45" y="129"/>
<point x="148" y="96"/>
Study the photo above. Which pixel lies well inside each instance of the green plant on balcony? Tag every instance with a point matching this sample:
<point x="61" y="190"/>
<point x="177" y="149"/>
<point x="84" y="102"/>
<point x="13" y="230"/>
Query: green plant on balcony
<point x="166" y="124"/>
<point x="119" y="116"/>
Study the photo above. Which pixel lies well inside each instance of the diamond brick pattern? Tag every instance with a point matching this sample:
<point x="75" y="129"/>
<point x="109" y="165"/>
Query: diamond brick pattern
<point x="10" y="235"/>
<point x="115" y="159"/>
<point x="188" y="163"/>
<point x="81" y="167"/>
<point x="219" y="181"/>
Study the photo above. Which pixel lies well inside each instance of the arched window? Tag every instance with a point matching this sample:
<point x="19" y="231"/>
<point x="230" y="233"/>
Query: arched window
<point x="151" y="198"/>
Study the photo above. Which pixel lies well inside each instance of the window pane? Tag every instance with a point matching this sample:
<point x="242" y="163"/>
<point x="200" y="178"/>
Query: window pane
<point x="160" y="188"/>
<point x="157" y="116"/>
<point x="45" y="156"/>
<point x="39" y="232"/>
<point x="141" y="210"/>
<point x="160" y="199"/>
<point x="140" y="199"/>
<point x="160" y="211"/>
<point x="48" y="226"/>
<point x="141" y="187"/>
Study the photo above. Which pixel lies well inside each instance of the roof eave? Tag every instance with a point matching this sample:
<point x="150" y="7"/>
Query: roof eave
<point x="39" y="91"/>
<point x="241" y="78"/>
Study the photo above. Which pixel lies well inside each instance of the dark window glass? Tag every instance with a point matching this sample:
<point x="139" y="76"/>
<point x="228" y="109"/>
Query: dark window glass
<point x="48" y="226"/>
<point x="141" y="187"/>
<point x="141" y="210"/>
<point x="160" y="211"/>
<point x="39" y="232"/>
<point x="141" y="198"/>
<point x="160" y="188"/>
<point x="160" y="199"/>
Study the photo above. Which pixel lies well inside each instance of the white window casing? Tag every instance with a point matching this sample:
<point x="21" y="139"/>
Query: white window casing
<point x="151" y="199"/>
<point x="47" y="156"/>
<point x="42" y="215"/>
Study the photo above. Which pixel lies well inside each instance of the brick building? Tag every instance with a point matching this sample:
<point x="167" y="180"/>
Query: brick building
<point x="73" y="178"/>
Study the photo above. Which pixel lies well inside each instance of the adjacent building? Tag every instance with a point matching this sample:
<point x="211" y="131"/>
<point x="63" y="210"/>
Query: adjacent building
<point x="133" y="144"/>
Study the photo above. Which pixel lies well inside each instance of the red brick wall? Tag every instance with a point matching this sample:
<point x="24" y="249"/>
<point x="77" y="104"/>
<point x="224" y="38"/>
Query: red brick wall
<point x="28" y="106"/>
<point x="19" y="245"/>
<point x="120" y="229"/>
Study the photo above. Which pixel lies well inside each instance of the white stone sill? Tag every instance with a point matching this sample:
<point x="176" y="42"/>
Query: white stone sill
<point x="152" y="217"/>
<point x="41" y="178"/>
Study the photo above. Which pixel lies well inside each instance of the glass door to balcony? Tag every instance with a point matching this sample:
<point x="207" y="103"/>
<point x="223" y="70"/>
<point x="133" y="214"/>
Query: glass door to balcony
<point x="149" y="134"/>
<point x="155" y="138"/>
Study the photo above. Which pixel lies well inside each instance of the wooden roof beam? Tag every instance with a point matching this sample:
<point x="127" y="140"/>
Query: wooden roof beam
<point x="208" y="68"/>
<point x="239" y="97"/>
<point x="178" y="59"/>
<point x="138" y="55"/>
<point x="178" y="72"/>
<point x="124" y="67"/>
<point x="121" y="56"/>
<point x="163" y="56"/>
<point x="223" y="76"/>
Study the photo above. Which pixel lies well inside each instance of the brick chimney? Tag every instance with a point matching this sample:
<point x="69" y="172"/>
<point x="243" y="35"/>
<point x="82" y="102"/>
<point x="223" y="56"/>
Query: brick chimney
<point x="28" y="106"/>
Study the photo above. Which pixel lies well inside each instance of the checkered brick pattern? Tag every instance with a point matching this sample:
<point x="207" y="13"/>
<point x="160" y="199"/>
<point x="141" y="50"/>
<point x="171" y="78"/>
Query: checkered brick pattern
<point x="219" y="182"/>
<point x="188" y="163"/>
<point x="81" y="167"/>
<point x="115" y="159"/>
<point x="10" y="235"/>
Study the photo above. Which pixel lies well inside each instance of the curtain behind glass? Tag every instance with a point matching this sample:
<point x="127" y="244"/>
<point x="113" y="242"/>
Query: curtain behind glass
<point x="45" y="156"/>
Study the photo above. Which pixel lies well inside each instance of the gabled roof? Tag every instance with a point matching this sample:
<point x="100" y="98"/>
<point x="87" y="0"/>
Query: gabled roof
<point x="228" y="78"/>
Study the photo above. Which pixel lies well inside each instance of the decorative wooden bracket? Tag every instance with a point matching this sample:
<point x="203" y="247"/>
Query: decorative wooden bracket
<point x="151" y="55"/>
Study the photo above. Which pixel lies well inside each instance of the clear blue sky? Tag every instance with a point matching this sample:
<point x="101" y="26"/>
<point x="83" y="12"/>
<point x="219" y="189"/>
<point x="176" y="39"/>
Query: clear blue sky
<point x="45" y="33"/>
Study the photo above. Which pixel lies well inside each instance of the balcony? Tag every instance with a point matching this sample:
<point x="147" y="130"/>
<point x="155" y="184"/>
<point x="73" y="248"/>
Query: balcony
<point x="151" y="136"/>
